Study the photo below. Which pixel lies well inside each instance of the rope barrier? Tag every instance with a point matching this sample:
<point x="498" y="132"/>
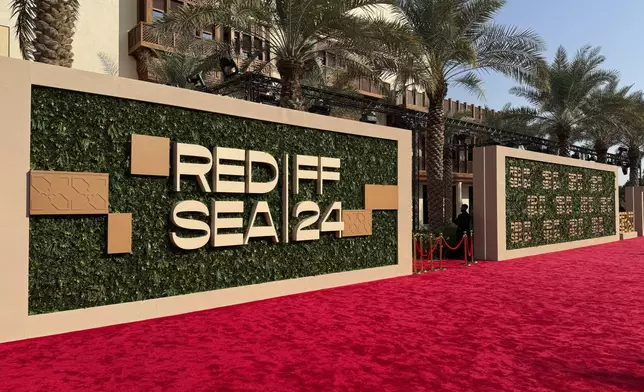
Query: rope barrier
<point x="433" y="244"/>
<point x="457" y="246"/>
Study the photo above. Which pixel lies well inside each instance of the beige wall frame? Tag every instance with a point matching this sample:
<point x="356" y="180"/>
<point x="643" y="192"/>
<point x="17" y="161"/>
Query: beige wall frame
<point x="635" y="204"/>
<point x="16" y="80"/>
<point x="489" y="197"/>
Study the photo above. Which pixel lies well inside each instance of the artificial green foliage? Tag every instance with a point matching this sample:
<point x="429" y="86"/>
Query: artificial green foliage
<point x="69" y="268"/>
<point x="518" y="210"/>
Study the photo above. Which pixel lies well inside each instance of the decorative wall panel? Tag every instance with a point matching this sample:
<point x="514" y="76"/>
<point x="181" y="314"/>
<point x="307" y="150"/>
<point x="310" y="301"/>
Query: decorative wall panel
<point x="68" y="193"/>
<point x="548" y="203"/>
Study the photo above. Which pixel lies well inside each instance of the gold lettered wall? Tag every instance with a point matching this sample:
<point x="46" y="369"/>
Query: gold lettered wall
<point x="490" y="230"/>
<point x="15" y="109"/>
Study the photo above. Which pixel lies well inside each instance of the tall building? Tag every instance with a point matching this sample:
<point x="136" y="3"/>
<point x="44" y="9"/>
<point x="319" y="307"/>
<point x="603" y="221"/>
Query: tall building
<point x="119" y="33"/>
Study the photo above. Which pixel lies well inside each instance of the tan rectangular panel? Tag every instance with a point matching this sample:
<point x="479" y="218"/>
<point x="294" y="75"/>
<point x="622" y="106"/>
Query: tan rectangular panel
<point x="489" y="189"/>
<point x="150" y="155"/>
<point x="381" y="197"/>
<point x="357" y="223"/>
<point x="629" y="193"/>
<point x="628" y="236"/>
<point x="119" y="233"/>
<point x="15" y="321"/>
<point x="68" y="193"/>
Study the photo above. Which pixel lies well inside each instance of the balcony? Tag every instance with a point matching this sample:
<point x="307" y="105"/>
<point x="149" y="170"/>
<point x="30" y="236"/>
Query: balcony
<point x="145" y="35"/>
<point x="364" y="86"/>
<point x="371" y="88"/>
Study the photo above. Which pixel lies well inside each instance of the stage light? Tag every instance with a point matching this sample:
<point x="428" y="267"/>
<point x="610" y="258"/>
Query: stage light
<point x="228" y="67"/>
<point x="369" y="117"/>
<point x="320" y="107"/>
<point x="197" y="80"/>
<point x="267" y="98"/>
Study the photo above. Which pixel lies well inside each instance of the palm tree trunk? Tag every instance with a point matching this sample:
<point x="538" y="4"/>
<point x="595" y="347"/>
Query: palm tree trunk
<point x="602" y="151"/>
<point x="563" y="137"/>
<point x="434" y="146"/>
<point x="448" y="181"/>
<point x="634" y="158"/>
<point x="54" y="28"/>
<point x="291" y="76"/>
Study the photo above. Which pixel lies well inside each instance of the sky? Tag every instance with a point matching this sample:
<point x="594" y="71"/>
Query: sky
<point x="614" y="25"/>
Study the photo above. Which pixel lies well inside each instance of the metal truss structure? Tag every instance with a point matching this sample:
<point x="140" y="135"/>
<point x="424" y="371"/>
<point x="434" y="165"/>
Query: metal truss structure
<point x="266" y="90"/>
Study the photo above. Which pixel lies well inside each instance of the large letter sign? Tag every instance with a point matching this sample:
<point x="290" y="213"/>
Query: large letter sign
<point x="232" y="173"/>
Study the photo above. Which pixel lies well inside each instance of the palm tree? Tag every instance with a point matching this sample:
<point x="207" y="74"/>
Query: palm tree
<point x="45" y="29"/>
<point x="564" y="98"/>
<point x="632" y="136"/>
<point x="188" y="58"/>
<point x="605" y="130"/>
<point x="455" y="40"/>
<point x="300" y="32"/>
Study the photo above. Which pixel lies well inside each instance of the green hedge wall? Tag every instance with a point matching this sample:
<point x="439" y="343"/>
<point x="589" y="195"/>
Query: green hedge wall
<point x="68" y="265"/>
<point x="541" y="228"/>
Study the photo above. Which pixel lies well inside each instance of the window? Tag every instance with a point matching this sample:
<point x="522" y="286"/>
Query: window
<point x="159" y="5"/>
<point x="330" y="60"/>
<point x="420" y="101"/>
<point x="176" y="4"/>
<point x="206" y="33"/>
<point x="246" y="46"/>
<point x="157" y="15"/>
<point x="237" y="42"/>
<point x="257" y="46"/>
<point x="158" y="10"/>
<point x="267" y="51"/>
<point x="227" y="35"/>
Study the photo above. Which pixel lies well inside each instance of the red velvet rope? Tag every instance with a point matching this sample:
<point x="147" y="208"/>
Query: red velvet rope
<point x="456" y="247"/>
<point x="419" y="249"/>
<point x="435" y="246"/>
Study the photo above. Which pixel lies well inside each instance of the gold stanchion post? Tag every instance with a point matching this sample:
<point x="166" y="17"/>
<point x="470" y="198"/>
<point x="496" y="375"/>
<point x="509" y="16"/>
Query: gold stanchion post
<point x="440" y="252"/>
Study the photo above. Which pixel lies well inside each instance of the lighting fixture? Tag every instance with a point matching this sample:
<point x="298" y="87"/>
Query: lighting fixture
<point x="320" y="107"/>
<point x="369" y="117"/>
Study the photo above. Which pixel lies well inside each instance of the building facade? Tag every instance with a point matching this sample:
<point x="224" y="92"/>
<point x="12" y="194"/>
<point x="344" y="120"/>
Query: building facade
<point x="101" y="35"/>
<point x="117" y="36"/>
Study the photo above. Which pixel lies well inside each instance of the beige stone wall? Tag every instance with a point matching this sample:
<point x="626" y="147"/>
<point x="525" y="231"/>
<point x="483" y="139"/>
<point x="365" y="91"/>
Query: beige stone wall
<point x="489" y="201"/>
<point x="4" y="41"/>
<point x="8" y="22"/>
<point x="15" y="111"/>
<point x="101" y="28"/>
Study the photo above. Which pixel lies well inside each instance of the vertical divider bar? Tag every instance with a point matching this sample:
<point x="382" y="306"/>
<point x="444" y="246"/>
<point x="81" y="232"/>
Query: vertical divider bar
<point x="285" y="212"/>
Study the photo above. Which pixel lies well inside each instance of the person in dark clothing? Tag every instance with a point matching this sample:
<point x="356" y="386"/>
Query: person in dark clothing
<point x="462" y="226"/>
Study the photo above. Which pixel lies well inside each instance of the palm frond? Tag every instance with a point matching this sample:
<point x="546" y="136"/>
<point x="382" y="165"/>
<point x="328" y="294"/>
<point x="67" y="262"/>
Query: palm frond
<point x="109" y="64"/>
<point x="472" y="83"/>
<point x="24" y="11"/>
<point x="509" y="50"/>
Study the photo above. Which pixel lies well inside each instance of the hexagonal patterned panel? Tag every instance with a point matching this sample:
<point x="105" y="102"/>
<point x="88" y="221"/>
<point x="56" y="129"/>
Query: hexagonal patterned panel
<point x="68" y="193"/>
<point x="357" y="223"/>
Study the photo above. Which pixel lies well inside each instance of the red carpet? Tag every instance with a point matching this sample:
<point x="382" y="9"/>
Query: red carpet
<point x="571" y="321"/>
